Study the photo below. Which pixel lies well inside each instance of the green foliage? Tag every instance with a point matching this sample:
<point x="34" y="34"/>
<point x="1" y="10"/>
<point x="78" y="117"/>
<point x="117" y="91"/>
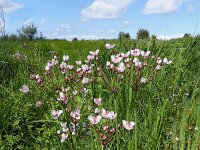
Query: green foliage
<point x="29" y="32"/>
<point x="166" y="111"/>
<point x="142" y="34"/>
<point x="74" y="39"/>
<point x="187" y="35"/>
<point x="123" y="35"/>
<point x="154" y="37"/>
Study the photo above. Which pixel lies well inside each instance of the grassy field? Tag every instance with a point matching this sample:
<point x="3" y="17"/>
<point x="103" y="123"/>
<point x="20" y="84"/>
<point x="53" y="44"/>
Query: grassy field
<point x="165" y="110"/>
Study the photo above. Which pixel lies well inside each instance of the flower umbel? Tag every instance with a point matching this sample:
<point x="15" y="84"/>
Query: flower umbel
<point x="128" y="125"/>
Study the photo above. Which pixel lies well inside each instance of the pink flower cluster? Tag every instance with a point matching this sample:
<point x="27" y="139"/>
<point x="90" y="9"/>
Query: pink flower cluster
<point x="51" y="64"/>
<point x="76" y="95"/>
<point x="38" y="79"/>
<point x="137" y="60"/>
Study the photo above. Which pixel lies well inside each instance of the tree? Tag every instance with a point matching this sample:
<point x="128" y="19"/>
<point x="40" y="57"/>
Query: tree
<point x="187" y="35"/>
<point x="74" y="39"/>
<point x="123" y="35"/>
<point x="142" y="34"/>
<point x="28" y="32"/>
<point x="154" y="37"/>
<point x="41" y="37"/>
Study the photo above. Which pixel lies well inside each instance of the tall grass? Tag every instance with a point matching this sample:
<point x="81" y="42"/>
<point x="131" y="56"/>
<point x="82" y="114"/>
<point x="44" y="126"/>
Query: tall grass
<point x="166" y="111"/>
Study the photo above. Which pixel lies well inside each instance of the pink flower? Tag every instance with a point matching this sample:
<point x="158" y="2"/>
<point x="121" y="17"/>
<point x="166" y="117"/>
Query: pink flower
<point x="90" y="58"/>
<point x="135" y="60"/>
<point x="138" y="64"/>
<point x="143" y="80"/>
<point x="112" y="130"/>
<point x="65" y="58"/>
<point x="85" y="80"/>
<point x="24" y="89"/>
<point x="64" y="126"/>
<point x="75" y="92"/>
<point x="158" y="67"/>
<point x="169" y="62"/>
<point x="127" y="60"/>
<point x="128" y="125"/>
<point x="166" y="61"/>
<point x="85" y="68"/>
<point x="105" y="127"/>
<point x="55" y="60"/>
<point x="109" y="46"/>
<point x="97" y="111"/>
<point x="97" y="101"/>
<point x="73" y="128"/>
<point x="63" y="137"/>
<point x="76" y="114"/>
<point x="121" y="67"/>
<point x="135" y="52"/>
<point x="62" y="97"/>
<point x="159" y="61"/>
<point x="95" y="53"/>
<point x="94" y="119"/>
<point x="48" y="67"/>
<point x="109" y="65"/>
<point x="79" y="71"/>
<point x="115" y="59"/>
<point x="38" y="78"/>
<point x="127" y="54"/>
<point x="56" y="113"/>
<point x="112" y="115"/>
<point x="84" y="90"/>
<point x="105" y="114"/>
<point x="70" y="67"/>
<point x="63" y="65"/>
<point x="145" y="54"/>
<point x="78" y="62"/>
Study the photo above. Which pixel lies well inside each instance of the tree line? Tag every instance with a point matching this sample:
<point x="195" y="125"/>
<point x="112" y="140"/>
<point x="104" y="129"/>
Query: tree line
<point x="30" y="32"/>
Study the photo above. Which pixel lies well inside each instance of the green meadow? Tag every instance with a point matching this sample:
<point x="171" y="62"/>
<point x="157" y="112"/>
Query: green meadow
<point x="165" y="110"/>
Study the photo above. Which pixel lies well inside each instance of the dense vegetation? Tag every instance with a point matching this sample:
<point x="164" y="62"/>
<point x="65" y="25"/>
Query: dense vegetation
<point x="166" y="110"/>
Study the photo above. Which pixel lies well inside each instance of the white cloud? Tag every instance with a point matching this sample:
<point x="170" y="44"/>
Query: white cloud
<point x="113" y="31"/>
<point x="84" y="20"/>
<point x="42" y="21"/>
<point x="63" y="27"/>
<point x="162" y="6"/>
<point x="100" y="31"/>
<point x="88" y="37"/>
<point x="168" y="37"/>
<point x="29" y="21"/>
<point x="52" y="35"/>
<point x="126" y="22"/>
<point x="106" y="9"/>
<point x="193" y="6"/>
<point x="10" y="6"/>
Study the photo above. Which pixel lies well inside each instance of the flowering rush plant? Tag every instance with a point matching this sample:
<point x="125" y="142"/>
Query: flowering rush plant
<point x="80" y="108"/>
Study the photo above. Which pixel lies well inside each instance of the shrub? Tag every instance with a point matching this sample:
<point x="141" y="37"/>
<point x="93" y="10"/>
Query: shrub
<point x="153" y="37"/>
<point x="123" y="35"/>
<point x="74" y="39"/>
<point x="187" y="35"/>
<point x="142" y="34"/>
<point x="28" y="32"/>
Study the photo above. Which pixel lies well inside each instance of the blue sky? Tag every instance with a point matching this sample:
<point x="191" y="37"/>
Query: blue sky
<point x="96" y="19"/>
